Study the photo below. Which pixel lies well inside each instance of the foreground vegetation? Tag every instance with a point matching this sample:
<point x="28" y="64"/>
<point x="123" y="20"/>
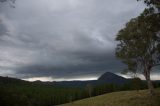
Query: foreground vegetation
<point x="15" y="92"/>
<point x="123" y="98"/>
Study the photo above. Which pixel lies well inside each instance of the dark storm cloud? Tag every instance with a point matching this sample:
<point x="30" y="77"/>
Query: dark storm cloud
<point x="94" y="64"/>
<point x="3" y="29"/>
<point x="62" y="38"/>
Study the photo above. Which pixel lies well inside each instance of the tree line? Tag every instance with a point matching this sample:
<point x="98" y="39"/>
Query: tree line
<point x="14" y="92"/>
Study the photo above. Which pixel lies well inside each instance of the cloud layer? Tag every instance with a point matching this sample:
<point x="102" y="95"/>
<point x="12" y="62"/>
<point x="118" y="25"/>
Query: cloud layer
<point x="62" y="39"/>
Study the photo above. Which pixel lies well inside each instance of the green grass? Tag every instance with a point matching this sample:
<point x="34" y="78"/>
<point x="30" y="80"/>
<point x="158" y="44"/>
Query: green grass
<point x="124" y="98"/>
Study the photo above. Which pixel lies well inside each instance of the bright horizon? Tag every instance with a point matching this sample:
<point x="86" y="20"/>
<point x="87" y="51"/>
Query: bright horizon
<point x="45" y="79"/>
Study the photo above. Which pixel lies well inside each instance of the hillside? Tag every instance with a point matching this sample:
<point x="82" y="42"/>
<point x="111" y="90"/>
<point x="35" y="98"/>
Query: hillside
<point x="124" y="98"/>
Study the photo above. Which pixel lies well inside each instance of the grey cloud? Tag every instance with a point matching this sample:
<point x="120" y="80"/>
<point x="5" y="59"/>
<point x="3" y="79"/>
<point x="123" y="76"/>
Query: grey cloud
<point x="91" y="64"/>
<point x="63" y="38"/>
<point x="3" y="29"/>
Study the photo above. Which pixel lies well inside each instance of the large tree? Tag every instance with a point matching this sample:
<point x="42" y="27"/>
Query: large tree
<point x="139" y="45"/>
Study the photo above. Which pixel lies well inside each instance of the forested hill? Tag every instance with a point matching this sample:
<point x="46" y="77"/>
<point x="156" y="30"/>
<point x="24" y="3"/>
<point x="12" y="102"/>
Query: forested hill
<point x="16" y="92"/>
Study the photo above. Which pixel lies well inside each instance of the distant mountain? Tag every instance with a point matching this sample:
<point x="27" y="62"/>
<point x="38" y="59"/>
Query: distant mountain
<point x="8" y="80"/>
<point x="109" y="77"/>
<point x="106" y="78"/>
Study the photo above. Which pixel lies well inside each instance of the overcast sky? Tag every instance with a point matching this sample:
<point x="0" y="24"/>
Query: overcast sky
<point x="62" y="39"/>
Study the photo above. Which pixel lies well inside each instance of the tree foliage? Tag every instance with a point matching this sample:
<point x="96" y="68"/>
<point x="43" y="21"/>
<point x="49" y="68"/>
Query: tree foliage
<point x="140" y="42"/>
<point x="139" y="46"/>
<point x="152" y="4"/>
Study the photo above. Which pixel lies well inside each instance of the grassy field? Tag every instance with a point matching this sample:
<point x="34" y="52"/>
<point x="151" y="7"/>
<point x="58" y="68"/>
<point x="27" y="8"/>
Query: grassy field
<point x="124" y="98"/>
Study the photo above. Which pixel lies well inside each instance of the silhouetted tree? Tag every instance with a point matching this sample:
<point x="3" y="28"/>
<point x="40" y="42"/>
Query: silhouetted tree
<point x="89" y="89"/>
<point x="136" y="83"/>
<point x="139" y="45"/>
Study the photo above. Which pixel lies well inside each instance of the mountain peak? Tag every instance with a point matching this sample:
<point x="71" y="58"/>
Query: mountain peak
<point x="107" y="75"/>
<point x="112" y="78"/>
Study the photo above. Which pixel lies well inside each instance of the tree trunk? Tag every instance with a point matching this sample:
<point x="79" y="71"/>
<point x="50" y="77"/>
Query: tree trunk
<point x="150" y="87"/>
<point x="149" y="82"/>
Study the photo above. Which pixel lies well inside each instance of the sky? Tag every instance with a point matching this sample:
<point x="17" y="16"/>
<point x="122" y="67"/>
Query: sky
<point x="55" y="40"/>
